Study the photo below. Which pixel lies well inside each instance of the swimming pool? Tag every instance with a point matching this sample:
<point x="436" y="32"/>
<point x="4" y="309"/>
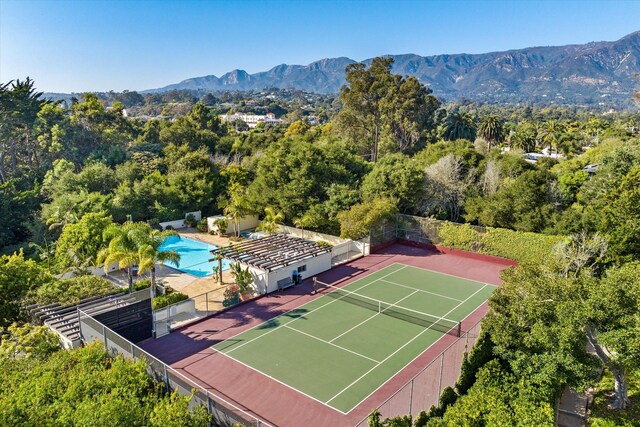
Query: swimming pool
<point x="194" y="256"/>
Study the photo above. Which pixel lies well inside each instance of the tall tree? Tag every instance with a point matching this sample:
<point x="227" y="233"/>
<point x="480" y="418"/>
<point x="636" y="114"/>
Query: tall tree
<point x="19" y="107"/>
<point x="551" y="133"/>
<point x="396" y="177"/>
<point x="122" y="248"/>
<point x="271" y="220"/>
<point x="81" y="241"/>
<point x="237" y="207"/>
<point x="491" y="129"/>
<point x="459" y="125"/>
<point x="378" y="105"/>
<point x="150" y="254"/>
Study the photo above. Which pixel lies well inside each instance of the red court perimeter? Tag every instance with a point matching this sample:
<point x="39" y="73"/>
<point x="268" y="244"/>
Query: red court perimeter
<point x="188" y="349"/>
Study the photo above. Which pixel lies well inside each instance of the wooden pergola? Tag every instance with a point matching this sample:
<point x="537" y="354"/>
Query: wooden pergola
<point x="272" y="252"/>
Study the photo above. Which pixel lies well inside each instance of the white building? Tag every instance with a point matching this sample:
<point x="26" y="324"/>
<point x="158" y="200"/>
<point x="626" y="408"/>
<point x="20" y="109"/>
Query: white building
<point x="272" y="260"/>
<point x="252" y="120"/>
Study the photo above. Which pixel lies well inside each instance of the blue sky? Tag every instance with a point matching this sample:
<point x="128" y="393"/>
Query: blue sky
<point x="102" y="45"/>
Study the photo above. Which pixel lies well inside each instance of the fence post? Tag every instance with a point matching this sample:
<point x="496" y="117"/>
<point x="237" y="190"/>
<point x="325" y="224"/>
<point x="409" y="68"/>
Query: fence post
<point x="411" y="400"/>
<point x="166" y="378"/>
<point x="440" y="380"/>
<point x="79" y="325"/>
<point x="206" y="301"/>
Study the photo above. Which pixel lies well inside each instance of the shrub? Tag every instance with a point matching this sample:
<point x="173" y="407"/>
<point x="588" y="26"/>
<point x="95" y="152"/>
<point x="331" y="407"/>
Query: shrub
<point x="525" y="247"/>
<point x="522" y="246"/>
<point x="141" y="284"/>
<point x="202" y="226"/>
<point x="231" y="296"/>
<point x="324" y="244"/>
<point x="222" y="224"/>
<point x="190" y="221"/>
<point x="71" y="291"/>
<point x="459" y="236"/>
<point x="167" y="299"/>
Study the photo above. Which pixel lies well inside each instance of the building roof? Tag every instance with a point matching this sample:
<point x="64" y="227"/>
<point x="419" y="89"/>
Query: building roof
<point x="64" y="319"/>
<point x="272" y="252"/>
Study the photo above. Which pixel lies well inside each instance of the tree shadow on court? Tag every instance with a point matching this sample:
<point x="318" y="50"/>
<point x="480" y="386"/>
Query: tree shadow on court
<point x="284" y="318"/>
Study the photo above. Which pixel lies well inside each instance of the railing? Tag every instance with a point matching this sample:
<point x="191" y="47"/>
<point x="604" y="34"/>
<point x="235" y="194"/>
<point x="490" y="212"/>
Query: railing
<point x="424" y="389"/>
<point x="190" y="310"/>
<point x="223" y="412"/>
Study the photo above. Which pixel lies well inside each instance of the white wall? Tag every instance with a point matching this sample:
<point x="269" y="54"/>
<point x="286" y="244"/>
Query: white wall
<point x="196" y="214"/>
<point x="179" y="223"/>
<point x="176" y="224"/>
<point x="341" y="248"/>
<point x="99" y="271"/>
<point x="165" y="313"/>
<point x="315" y="266"/>
<point x="259" y="279"/>
<point x="311" y="235"/>
<point x="362" y="246"/>
<point x="246" y="223"/>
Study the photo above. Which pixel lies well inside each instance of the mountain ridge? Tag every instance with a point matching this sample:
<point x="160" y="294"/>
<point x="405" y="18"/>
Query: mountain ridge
<point x="592" y="73"/>
<point x="599" y="74"/>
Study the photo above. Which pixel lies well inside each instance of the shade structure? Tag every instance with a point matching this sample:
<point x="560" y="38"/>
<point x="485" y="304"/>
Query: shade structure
<point x="271" y="252"/>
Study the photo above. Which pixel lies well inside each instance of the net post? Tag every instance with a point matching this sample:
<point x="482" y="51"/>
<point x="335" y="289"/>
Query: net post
<point x="459" y="329"/>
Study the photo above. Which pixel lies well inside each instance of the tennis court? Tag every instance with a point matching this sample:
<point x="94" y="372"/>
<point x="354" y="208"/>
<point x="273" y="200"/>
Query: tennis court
<point x="341" y="347"/>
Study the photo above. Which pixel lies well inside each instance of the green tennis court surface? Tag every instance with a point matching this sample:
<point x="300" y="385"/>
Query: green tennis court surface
<point x="341" y="347"/>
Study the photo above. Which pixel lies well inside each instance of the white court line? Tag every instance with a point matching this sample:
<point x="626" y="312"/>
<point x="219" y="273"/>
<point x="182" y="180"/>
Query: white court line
<point x="406" y="344"/>
<point x="421" y="290"/>
<point x="307" y="313"/>
<point x="330" y="343"/>
<point x="366" y="320"/>
<point x="451" y="275"/>
<point x="282" y="383"/>
<point x="415" y="358"/>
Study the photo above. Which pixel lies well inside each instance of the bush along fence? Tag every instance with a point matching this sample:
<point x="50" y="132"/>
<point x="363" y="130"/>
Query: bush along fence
<point x="223" y="412"/>
<point x="520" y="246"/>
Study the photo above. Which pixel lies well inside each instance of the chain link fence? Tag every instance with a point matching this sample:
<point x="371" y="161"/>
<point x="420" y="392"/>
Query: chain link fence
<point x="424" y="389"/>
<point x="223" y="412"/>
<point x="414" y="229"/>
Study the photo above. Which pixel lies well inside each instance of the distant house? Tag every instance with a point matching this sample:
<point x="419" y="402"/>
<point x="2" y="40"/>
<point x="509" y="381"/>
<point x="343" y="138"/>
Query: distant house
<point x="534" y="157"/>
<point x="591" y="169"/>
<point x="252" y="120"/>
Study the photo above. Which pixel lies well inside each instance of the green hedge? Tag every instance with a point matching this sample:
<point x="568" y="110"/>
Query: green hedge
<point x="521" y="246"/>
<point x="71" y="291"/>
<point x="168" y="299"/>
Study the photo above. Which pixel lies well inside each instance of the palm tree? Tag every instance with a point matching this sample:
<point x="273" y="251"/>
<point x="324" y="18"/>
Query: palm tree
<point x="218" y="257"/>
<point x="270" y="221"/>
<point x="149" y="253"/>
<point x="237" y="208"/>
<point x="491" y="129"/>
<point x="459" y="126"/>
<point x="303" y="222"/>
<point x="551" y="133"/>
<point x="122" y="248"/>
<point x="524" y="136"/>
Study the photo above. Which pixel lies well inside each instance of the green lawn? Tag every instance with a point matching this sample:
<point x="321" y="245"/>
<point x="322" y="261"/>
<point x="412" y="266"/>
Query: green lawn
<point x="338" y="351"/>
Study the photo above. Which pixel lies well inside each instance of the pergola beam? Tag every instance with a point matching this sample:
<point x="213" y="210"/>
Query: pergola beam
<point x="271" y="252"/>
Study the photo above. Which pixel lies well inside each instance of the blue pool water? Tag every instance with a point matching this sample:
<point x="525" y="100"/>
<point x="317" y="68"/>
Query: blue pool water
<point x="194" y="255"/>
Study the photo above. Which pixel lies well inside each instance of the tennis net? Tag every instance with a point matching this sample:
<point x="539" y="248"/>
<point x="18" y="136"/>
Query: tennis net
<point x="426" y="320"/>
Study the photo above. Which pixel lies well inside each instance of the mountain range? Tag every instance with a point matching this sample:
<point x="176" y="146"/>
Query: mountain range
<point x="596" y="73"/>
